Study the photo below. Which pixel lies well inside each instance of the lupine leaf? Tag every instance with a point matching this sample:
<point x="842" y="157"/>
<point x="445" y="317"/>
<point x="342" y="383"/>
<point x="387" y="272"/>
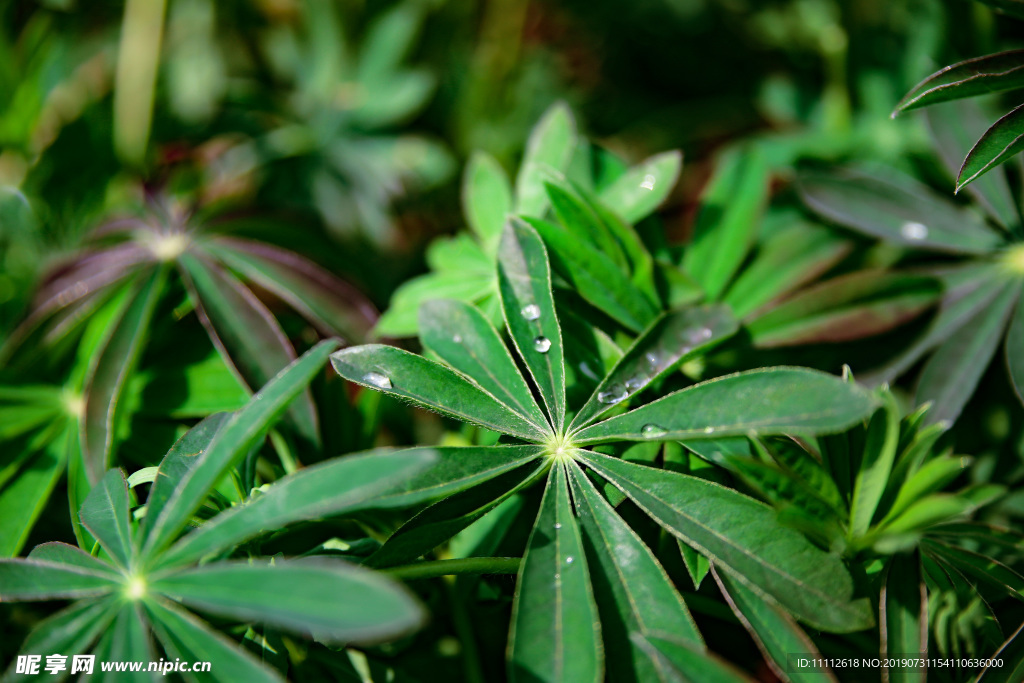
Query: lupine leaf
<point x="555" y="628"/>
<point x="524" y="280"/>
<point x="683" y="663"/>
<point x="330" y="600"/>
<point x="969" y="78"/>
<point x="486" y="198"/>
<point x="431" y="385"/>
<point x="898" y="209"/>
<point x="903" y="613"/>
<point x="769" y="401"/>
<point x="639" y="191"/>
<point x="1015" y="348"/>
<point x="1010" y="653"/>
<point x="875" y="466"/>
<point x="464" y="339"/>
<point x="634" y="593"/>
<point x="1000" y="142"/>
<point x="25" y="494"/>
<point x="776" y="634"/>
<point x="110" y="372"/>
<point x="579" y="220"/>
<point x="56" y="552"/>
<point x="127" y="640"/>
<point x="400" y="319"/>
<point x="743" y="537"/>
<point x="550" y="146"/>
<point x="236" y="437"/>
<point x="670" y="340"/>
<point x="105" y="513"/>
<point x="36" y="580"/>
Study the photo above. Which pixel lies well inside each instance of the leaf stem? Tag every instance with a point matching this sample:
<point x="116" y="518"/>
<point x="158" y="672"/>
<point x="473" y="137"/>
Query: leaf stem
<point x="469" y="565"/>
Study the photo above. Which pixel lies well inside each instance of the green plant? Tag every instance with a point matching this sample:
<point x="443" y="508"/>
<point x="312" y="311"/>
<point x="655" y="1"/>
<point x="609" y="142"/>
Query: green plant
<point x="556" y="625"/>
<point x="981" y="302"/>
<point x="139" y="574"/>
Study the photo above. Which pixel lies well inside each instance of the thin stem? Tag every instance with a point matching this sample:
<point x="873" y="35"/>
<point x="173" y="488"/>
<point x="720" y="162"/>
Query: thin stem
<point x="469" y="565"/>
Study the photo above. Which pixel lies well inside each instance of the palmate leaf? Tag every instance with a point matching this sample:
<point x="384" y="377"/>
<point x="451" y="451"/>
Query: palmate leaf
<point x="1014" y="350"/>
<point x="683" y="663"/>
<point x="555" y="633"/>
<point x="549" y="148"/>
<point x="969" y="78"/>
<point x="106" y="514"/>
<point x="581" y="221"/>
<point x="1000" y="142"/>
<point x="903" y="615"/>
<point x="639" y="191"/>
<point x="46" y="580"/>
<point x="127" y="640"/>
<point x="486" y="199"/>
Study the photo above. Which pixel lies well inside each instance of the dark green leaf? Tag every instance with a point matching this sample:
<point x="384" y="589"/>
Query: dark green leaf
<point x="642" y="189"/>
<point x="1000" y="142"/>
<point x="127" y="640"/>
<point x="36" y="580"/>
<point x="1013" y="8"/>
<point x="463" y="338"/>
<point x="969" y="78"/>
<point x="903" y="612"/>
<point x="743" y="537"/>
<point x="106" y="514"/>
<point x="72" y="630"/>
<point x="24" y="496"/>
<point x="524" y="281"/>
<point x="432" y="385"/>
<point x="579" y="221"/>
<point x="1011" y="653"/>
<point x="673" y="338"/>
<point x="1015" y="349"/>
<point x="555" y="629"/>
<point x="769" y="401"/>
<point x="682" y="663"/>
<point x="330" y="600"/>
<point x="62" y="553"/>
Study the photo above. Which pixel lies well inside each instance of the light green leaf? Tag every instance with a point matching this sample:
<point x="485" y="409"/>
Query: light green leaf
<point x="524" y="281"/>
<point x="1000" y="142"/>
<point x="486" y="198"/>
<point x="400" y="320"/>
<point x="875" y="466"/>
<point x="672" y="339"/>
<point x="329" y="600"/>
<point x="969" y="78"/>
<point x="550" y="146"/>
<point x="463" y="338"/>
<point x="639" y="191"/>
<point x="106" y="514"/>
<point x="931" y="477"/>
<point x="24" y="496"/>
<point x="634" y="593"/>
<point x="745" y="538"/>
<point x="555" y="632"/>
<point x="903" y="612"/>
<point x="237" y="436"/>
<point x="405" y="375"/>
<point x="778" y="637"/>
<point x="770" y="401"/>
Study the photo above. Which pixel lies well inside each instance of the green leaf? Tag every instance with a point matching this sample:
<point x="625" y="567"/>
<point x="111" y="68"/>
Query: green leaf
<point x="1000" y="142"/>
<point x="405" y="375"/>
<point x="896" y="208"/>
<point x="550" y="146"/>
<point x="728" y="220"/>
<point x="330" y="488"/>
<point x="35" y="580"/>
<point x="400" y="320"/>
<point x="642" y="189"/>
<point x="934" y="509"/>
<point x="1011" y="653"/>
<point x="442" y="520"/>
<point x="950" y="376"/>
<point x="109" y="374"/>
<point x="903" y="612"/>
<point x="979" y="567"/>
<point x="106" y="514"/>
<point x="1015" y="349"/>
<point x="969" y="78"/>
<point x="72" y="630"/>
<point x="127" y="640"/>
<point x="769" y="401"/>
<point x="524" y="281"/>
<point x="883" y="436"/>
<point x="634" y="593"/>
<point x="931" y="477"/>
<point x="597" y="279"/>
<point x="579" y="220"/>
<point x="246" y="333"/>
<point x="672" y="339"/>
<point x="845" y="308"/>
<point x="778" y="637"/>
<point x="486" y="198"/>
<point x="237" y="436"/>
<point x="187" y="638"/>
<point x="183" y="456"/>
<point x="1013" y="8"/>
<point x="62" y="553"/>
<point x="555" y="632"/>
<point x="682" y="663"/>
<point x="745" y="538"/>
<point x="329" y="600"/>
<point x="25" y="495"/>
<point x="463" y="338"/>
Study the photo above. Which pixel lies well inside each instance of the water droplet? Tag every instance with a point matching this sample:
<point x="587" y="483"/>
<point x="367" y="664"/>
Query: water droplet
<point x="913" y="230"/>
<point x="457" y="339"/>
<point x="258" y="397"/>
<point x="634" y="384"/>
<point x="648" y="183"/>
<point x="709" y="430"/>
<point x="698" y="336"/>
<point x="613" y="394"/>
<point x="653" y="360"/>
<point x="653" y="431"/>
<point x="568" y="560"/>
<point x="558" y="525"/>
<point x="531" y="312"/>
<point x="378" y="380"/>
<point x="542" y="344"/>
<point x="558" y="576"/>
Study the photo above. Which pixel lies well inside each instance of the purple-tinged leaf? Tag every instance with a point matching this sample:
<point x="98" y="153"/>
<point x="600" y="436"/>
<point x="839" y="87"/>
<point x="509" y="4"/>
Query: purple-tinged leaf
<point x="969" y="78"/>
<point x="1015" y="349"/>
<point x="1000" y="142"/>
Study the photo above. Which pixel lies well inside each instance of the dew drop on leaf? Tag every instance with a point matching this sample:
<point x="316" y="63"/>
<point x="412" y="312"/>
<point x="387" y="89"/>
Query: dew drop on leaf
<point x="569" y="560"/>
<point x="612" y="394"/>
<point x="542" y="344"/>
<point x="653" y="431"/>
<point x="558" y="525"/>
<point x="653" y="360"/>
<point x="378" y="380"/>
<point x="457" y="339"/>
<point x="709" y="430"/>
<point x="635" y="383"/>
<point x="648" y="183"/>
<point x="913" y="230"/>
<point x="531" y="312"/>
